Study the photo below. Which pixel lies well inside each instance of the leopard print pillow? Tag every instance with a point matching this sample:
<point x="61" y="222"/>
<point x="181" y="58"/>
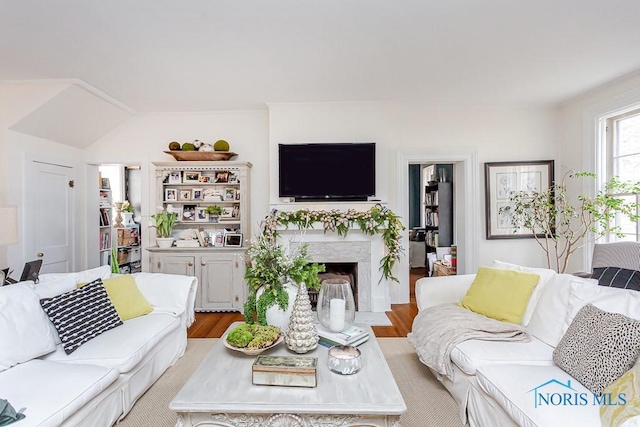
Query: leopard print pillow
<point x="598" y="347"/>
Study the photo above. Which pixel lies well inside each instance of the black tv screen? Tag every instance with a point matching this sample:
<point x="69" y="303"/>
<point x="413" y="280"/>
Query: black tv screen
<point x="329" y="171"/>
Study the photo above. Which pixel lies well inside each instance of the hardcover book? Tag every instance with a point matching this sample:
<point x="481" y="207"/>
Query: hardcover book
<point x="290" y="371"/>
<point x="348" y="337"/>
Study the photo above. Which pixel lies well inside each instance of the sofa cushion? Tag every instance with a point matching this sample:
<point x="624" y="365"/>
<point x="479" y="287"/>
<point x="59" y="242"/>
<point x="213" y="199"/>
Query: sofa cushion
<point x="521" y="391"/>
<point x="617" y="277"/>
<point x="125" y="296"/>
<point x="545" y="275"/>
<point x="627" y="385"/>
<point x="500" y="294"/>
<point x="61" y="389"/>
<point x="24" y="329"/>
<point x="55" y="287"/>
<point x="123" y="347"/>
<point x="614" y="300"/>
<point x="81" y="315"/>
<point x="548" y="320"/>
<point x="85" y="276"/>
<point x="470" y="354"/>
<point x="598" y="347"/>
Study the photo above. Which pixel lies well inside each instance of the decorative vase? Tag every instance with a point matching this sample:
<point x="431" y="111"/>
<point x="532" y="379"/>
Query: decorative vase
<point x="301" y="335"/>
<point x="275" y="315"/>
<point x="118" y="223"/>
<point x="336" y="306"/>
<point x="164" y="242"/>
<point x="214" y="218"/>
<point x="128" y="219"/>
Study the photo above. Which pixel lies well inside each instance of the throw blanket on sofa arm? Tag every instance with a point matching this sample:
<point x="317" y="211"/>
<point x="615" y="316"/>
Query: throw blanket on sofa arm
<point x="438" y="329"/>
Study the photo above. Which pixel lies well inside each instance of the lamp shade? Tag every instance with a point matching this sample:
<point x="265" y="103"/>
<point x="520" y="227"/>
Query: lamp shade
<point x="8" y="225"/>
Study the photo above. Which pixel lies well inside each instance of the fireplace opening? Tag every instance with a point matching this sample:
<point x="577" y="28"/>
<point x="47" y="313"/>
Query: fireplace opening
<point x="338" y="270"/>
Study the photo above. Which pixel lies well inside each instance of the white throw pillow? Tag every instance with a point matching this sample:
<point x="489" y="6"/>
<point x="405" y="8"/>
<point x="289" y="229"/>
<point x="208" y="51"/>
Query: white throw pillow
<point x="613" y="300"/>
<point x="544" y="273"/>
<point x="548" y="322"/>
<point x="24" y="328"/>
<point x="56" y="287"/>
<point x="85" y="276"/>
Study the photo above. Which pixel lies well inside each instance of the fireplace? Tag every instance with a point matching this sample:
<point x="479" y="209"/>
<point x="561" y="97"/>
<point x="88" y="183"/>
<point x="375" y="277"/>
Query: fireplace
<point x="338" y="270"/>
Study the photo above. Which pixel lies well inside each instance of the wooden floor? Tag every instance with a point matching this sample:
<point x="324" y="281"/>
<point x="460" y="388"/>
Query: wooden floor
<point x="213" y="325"/>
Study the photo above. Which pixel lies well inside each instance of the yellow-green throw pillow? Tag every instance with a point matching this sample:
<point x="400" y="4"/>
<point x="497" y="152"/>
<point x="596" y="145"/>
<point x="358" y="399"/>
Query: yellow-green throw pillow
<point x="126" y="297"/>
<point x="626" y="387"/>
<point x="500" y="294"/>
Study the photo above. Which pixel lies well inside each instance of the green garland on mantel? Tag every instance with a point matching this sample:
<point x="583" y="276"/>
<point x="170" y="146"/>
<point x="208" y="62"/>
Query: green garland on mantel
<point x="377" y="220"/>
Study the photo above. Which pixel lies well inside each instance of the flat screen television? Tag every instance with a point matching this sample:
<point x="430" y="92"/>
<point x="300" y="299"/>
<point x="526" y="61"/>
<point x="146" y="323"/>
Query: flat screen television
<point x="327" y="171"/>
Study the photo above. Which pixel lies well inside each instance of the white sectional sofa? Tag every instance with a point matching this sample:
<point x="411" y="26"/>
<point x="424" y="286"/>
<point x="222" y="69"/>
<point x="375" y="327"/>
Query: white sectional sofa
<point x="501" y="383"/>
<point x="97" y="384"/>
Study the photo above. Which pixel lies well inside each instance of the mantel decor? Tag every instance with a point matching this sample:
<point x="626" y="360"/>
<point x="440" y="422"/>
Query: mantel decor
<point x="377" y="220"/>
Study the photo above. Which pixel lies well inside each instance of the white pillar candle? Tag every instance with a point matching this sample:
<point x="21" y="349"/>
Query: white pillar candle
<point x="336" y="314"/>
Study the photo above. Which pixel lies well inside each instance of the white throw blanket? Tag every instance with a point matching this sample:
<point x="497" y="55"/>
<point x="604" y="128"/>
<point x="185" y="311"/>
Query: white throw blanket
<point x="169" y="293"/>
<point x="437" y="330"/>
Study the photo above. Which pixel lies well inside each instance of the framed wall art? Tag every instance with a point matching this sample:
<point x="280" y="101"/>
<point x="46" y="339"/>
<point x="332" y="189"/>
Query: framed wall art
<point x="503" y="179"/>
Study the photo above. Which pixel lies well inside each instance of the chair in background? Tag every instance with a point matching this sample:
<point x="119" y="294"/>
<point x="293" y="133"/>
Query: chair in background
<point x="617" y="254"/>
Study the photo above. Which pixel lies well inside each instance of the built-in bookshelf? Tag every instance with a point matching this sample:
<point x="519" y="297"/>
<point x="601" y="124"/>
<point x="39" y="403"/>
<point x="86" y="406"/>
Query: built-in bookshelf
<point x="105" y="207"/>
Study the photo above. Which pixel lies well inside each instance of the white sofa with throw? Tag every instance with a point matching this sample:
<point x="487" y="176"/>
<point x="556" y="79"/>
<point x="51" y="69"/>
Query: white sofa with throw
<point x="100" y="379"/>
<point x="518" y="383"/>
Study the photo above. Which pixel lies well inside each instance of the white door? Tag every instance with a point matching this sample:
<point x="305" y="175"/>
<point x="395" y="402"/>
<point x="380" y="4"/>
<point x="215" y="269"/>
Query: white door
<point x="49" y="234"/>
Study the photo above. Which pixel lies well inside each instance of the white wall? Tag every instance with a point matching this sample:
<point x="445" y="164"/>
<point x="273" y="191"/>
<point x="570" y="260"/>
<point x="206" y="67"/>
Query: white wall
<point x="578" y="135"/>
<point x="496" y="134"/>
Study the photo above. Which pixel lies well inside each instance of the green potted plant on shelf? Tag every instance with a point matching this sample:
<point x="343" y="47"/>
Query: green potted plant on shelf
<point x="269" y="273"/>
<point x="165" y="219"/>
<point x="561" y="225"/>
<point x="214" y="212"/>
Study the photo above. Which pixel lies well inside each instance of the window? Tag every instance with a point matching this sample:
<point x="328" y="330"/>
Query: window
<point x="623" y="160"/>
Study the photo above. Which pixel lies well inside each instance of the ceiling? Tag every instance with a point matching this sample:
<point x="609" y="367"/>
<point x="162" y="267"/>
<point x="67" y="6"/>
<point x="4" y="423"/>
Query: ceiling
<point x="205" y="55"/>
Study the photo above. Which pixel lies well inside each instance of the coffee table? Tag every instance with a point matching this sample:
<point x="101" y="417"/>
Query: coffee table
<point x="220" y="393"/>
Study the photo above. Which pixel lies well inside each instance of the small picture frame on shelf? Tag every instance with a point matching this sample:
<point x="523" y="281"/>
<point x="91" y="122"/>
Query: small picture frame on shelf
<point x="233" y="240"/>
<point x="227" y="212"/>
<point x="204" y="179"/>
<point x="201" y="214"/>
<point x="196" y="194"/>
<point x="237" y="195"/>
<point x="175" y="177"/>
<point x="105" y="184"/>
<point x="235" y="211"/>
<point x="221" y="177"/>
<point x="171" y="195"/>
<point x="191" y="177"/>
<point x="229" y="194"/>
<point x="184" y="195"/>
<point x="233" y="178"/>
<point x="189" y="213"/>
<point x="211" y="195"/>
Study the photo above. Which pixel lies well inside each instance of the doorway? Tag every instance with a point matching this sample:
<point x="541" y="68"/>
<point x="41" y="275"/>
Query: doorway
<point x="467" y="201"/>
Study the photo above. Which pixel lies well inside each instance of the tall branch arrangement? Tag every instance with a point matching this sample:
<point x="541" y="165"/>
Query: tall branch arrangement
<point x="377" y="220"/>
<point x="561" y="226"/>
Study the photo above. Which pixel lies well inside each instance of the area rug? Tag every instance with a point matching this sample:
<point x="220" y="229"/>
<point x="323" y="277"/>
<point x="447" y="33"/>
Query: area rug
<point x="428" y="403"/>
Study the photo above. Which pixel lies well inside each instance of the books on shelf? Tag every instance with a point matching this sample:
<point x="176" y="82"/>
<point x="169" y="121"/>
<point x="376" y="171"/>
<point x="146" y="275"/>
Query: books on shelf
<point x="355" y="335"/>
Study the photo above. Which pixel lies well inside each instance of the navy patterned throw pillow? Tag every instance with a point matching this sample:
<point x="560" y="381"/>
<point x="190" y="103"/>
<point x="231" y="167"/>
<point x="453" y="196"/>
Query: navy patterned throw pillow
<point x="617" y="277"/>
<point x="81" y="315"/>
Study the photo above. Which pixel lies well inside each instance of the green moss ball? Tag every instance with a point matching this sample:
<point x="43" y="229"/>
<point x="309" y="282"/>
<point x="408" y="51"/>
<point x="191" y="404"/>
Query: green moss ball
<point x="188" y="146"/>
<point x="221" y="145"/>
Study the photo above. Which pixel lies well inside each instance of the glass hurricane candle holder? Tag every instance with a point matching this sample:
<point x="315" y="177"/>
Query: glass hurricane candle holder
<point x="336" y="307"/>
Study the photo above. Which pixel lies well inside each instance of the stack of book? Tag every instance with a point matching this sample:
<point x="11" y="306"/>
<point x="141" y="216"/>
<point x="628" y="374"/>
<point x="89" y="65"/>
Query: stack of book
<point x="354" y="335"/>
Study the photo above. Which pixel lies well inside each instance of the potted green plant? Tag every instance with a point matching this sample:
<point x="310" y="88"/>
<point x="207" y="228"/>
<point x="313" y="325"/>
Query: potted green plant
<point x="164" y="222"/>
<point x="214" y="212"/>
<point x="269" y="273"/>
<point x="561" y="225"/>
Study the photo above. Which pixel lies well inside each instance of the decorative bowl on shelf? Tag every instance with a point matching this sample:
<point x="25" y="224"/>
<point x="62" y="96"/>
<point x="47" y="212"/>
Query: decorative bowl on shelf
<point x="251" y="352"/>
<point x="201" y="155"/>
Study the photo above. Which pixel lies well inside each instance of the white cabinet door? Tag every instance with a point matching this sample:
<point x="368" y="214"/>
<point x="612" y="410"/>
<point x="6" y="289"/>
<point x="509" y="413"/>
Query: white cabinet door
<point x="219" y="273"/>
<point x="174" y="264"/>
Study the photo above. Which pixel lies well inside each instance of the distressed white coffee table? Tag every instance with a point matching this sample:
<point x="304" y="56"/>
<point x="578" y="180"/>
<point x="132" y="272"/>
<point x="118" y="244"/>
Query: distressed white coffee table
<point x="220" y="393"/>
